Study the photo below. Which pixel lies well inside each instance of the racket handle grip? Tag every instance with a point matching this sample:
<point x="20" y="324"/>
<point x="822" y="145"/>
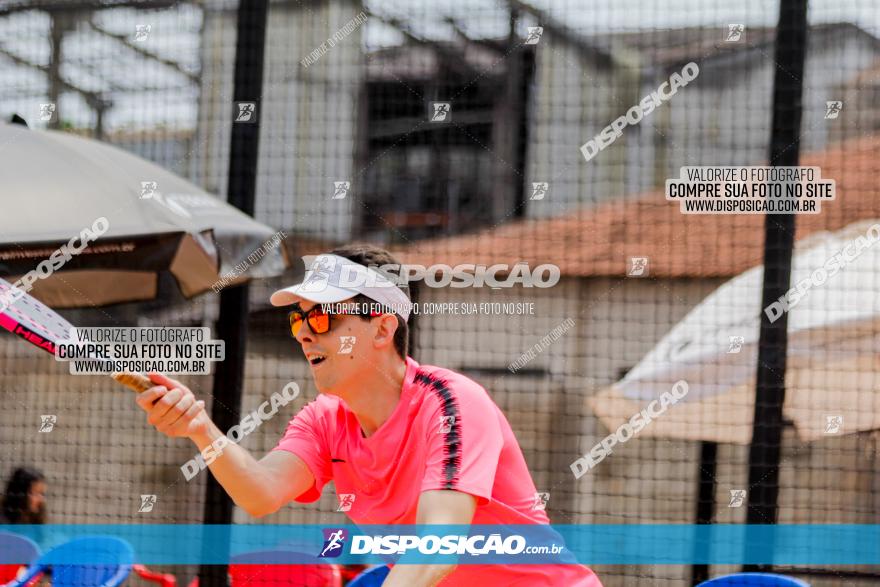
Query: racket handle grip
<point x="134" y="381"/>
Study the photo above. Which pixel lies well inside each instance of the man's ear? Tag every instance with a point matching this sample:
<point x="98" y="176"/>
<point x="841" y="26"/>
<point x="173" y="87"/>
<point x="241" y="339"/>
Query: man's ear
<point x="386" y="327"/>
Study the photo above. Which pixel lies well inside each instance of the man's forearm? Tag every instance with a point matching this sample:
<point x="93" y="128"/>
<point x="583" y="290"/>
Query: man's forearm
<point x="240" y="474"/>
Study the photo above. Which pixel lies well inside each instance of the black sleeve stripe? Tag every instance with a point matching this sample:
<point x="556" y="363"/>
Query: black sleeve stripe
<point x="452" y="437"/>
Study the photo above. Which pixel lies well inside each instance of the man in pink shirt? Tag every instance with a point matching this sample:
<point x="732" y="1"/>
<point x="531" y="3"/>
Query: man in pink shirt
<point x="404" y="443"/>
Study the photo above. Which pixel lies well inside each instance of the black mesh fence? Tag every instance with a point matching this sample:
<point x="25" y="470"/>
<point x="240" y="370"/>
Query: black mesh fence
<point x="538" y="147"/>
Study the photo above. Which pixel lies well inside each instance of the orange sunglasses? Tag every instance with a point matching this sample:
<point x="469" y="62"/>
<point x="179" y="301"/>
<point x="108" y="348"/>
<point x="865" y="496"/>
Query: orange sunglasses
<point x="317" y="318"/>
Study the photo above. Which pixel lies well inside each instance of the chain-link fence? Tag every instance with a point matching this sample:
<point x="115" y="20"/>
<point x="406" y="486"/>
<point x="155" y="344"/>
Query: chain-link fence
<point x="486" y="133"/>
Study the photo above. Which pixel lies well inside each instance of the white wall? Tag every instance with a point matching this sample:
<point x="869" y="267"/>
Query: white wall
<point x="308" y="116"/>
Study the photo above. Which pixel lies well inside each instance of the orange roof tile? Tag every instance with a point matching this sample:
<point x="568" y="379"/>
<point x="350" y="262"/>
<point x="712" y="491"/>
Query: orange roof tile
<point x="598" y="240"/>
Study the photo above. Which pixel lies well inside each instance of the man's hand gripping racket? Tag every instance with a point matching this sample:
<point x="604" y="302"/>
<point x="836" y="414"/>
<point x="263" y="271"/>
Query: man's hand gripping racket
<point x="170" y="405"/>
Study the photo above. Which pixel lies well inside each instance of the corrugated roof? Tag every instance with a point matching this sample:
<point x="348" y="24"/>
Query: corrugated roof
<point x="673" y="46"/>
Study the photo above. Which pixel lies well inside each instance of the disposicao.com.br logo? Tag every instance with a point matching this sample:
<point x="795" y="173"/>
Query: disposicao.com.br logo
<point x="430" y="544"/>
<point x="334" y="542"/>
<point x="325" y="270"/>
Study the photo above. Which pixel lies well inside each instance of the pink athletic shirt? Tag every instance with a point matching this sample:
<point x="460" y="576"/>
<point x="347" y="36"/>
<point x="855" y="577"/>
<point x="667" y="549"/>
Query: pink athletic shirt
<point x="445" y="433"/>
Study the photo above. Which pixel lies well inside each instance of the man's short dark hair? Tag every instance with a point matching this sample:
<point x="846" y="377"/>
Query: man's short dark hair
<point x="371" y="255"/>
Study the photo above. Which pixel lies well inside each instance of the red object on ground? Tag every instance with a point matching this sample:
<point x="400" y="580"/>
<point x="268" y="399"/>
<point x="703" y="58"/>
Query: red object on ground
<point x="349" y="572"/>
<point x="285" y="575"/>
<point x="9" y="572"/>
<point x="163" y="579"/>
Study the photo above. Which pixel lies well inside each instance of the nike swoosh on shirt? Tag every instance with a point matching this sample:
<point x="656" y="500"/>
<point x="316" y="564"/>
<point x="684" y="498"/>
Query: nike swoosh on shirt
<point x="336" y="461"/>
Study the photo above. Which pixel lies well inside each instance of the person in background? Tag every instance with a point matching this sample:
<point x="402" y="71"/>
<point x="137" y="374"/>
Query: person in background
<point x="24" y="501"/>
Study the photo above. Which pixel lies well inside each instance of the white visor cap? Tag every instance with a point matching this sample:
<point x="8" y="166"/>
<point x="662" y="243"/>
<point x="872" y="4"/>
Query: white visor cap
<point x="331" y="278"/>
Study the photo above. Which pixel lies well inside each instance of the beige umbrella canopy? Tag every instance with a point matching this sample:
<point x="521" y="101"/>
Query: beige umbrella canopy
<point x="136" y="220"/>
<point x="833" y="367"/>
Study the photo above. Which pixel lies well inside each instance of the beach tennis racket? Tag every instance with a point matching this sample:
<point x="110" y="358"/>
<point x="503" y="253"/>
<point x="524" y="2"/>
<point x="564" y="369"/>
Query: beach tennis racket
<point x="40" y="325"/>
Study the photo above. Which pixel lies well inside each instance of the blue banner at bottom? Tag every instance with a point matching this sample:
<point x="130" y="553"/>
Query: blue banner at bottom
<point x="629" y="544"/>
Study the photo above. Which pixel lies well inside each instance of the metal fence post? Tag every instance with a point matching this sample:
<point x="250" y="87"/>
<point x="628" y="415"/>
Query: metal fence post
<point x="765" y="450"/>
<point x="233" y="318"/>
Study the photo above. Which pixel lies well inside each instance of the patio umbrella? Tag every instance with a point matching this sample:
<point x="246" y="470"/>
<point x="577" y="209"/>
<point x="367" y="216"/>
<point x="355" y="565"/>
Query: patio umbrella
<point x="833" y="367"/>
<point x="140" y="220"/>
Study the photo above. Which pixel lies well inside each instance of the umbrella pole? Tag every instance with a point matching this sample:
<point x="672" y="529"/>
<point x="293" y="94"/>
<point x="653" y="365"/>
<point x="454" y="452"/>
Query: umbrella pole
<point x="765" y="449"/>
<point x="705" y="504"/>
<point x="232" y="321"/>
